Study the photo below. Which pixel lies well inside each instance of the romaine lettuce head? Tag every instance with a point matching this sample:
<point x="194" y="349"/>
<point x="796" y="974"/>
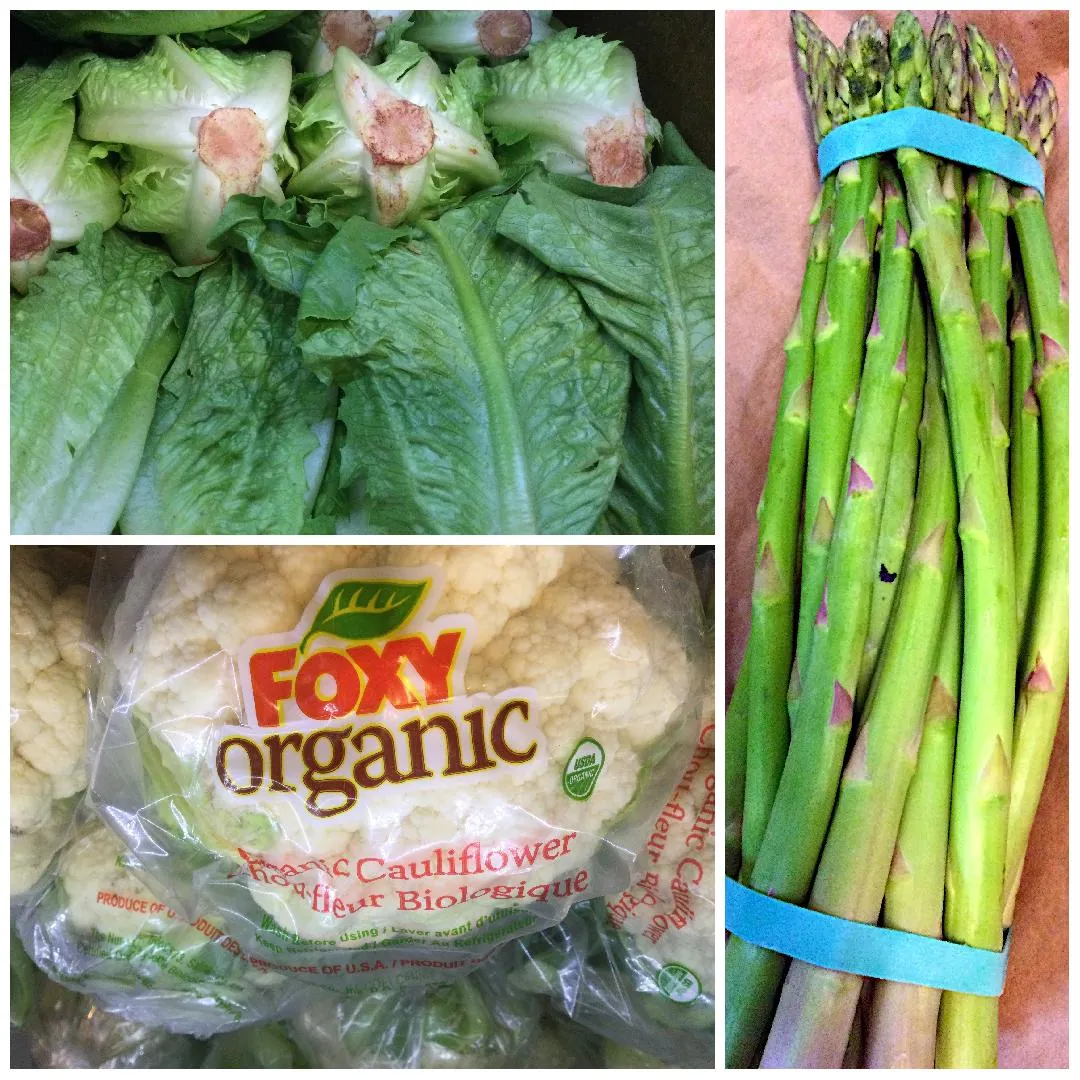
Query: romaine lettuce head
<point x="195" y="127"/>
<point x="494" y="34"/>
<point x="313" y="37"/>
<point x="59" y="183"/>
<point x="402" y="136"/>
<point x="577" y="101"/>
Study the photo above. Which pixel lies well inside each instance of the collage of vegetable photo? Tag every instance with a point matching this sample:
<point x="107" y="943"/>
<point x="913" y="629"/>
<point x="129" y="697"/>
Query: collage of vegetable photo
<point x="897" y="544"/>
<point x="362" y="540"/>
<point x="351" y="272"/>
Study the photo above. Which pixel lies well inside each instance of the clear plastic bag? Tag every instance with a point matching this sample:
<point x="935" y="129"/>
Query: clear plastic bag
<point x="71" y="1031"/>
<point x="93" y="926"/>
<point x="477" y="1022"/>
<point x="379" y="763"/>
<point x="639" y="966"/>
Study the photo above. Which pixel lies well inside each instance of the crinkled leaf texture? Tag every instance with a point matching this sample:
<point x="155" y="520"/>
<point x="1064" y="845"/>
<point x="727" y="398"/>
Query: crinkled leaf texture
<point x="242" y="430"/>
<point x="88" y="347"/>
<point x="479" y="394"/>
<point x="643" y="262"/>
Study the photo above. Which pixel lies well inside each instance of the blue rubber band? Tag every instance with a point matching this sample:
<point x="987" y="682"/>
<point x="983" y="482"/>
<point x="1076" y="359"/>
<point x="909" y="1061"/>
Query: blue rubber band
<point x="861" y="949"/>
<point x="935" y="133"/>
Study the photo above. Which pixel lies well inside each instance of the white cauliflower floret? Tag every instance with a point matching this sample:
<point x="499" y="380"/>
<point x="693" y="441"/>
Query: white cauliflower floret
<point x="103" y="894"/>
<point x="490" y="583"/>
<point x="553" y="620"/>
<point x="49" y="713"/>
<point x="31" y="796"/>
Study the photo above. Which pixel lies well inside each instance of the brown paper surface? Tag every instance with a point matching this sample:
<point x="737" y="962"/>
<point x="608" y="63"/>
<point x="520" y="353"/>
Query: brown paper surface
<point x="771" y="186"/>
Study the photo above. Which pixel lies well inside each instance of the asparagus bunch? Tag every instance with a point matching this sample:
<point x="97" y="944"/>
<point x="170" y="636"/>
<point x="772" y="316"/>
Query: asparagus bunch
<point x="923" y="700"/>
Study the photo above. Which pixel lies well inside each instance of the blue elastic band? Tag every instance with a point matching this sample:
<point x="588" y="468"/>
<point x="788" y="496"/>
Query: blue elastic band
<point x="935" y="133"/>
<point x="871" y="951"/>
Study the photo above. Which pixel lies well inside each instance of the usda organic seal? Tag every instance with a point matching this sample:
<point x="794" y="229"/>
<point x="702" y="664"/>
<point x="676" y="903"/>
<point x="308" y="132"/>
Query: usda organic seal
<point x="678" y="983"/>
<point x="583" y="769"/>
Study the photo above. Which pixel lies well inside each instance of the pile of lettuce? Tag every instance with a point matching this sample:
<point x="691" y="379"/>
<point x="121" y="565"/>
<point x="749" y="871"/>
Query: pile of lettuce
<point x="457" y="281"/>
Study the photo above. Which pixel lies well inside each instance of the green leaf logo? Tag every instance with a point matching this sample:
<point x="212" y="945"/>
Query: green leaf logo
<point x="678" y="983"/>
<point x="583" y="769"/>
<point x="365" y="610"/>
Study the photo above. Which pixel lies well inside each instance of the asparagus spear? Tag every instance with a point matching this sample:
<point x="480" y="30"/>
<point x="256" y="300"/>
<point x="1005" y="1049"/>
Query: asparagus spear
<point x="1024" y="465"/>
<point x="735" y="733"/>
<point x="841" y="330"/>
<point x="1046" y="658"/>
<point x="772" y="623"/>
<point x="817" y="1006"/>
<point x="904" y="1016"/>
<point x="988" y="249"/>
<point x="948" y="62"/>
<point x="968" y="1029"/>
<point x="807" y="791"/>
<point x="899" y="499"/>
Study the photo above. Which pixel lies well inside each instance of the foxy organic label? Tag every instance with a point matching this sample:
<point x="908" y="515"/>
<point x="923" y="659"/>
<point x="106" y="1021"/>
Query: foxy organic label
<point x="367" y="693"/>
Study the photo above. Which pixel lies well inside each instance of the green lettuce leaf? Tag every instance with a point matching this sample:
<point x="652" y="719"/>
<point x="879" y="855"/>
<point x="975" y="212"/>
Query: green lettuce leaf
<point x="281" y="244"/>
<point x="642" y="261"/>
<point x="479" y="395"/>
<point x="240" y="438"/>
<point x="89" y="345"/>
<point x="125" y="28"/>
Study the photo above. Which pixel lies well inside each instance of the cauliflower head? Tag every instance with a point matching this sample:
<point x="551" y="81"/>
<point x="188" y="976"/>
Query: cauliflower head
<point x="49" y="712"/>
<point x="97" y="927"/>
<point x="602" y="673"/>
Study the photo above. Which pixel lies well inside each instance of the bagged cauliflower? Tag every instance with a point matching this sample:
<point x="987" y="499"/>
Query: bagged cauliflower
<point x="49" y="710"/>
<point x="93" y="926"/>
<point x="639" y="966"/>
<point x="381" y="762"/>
